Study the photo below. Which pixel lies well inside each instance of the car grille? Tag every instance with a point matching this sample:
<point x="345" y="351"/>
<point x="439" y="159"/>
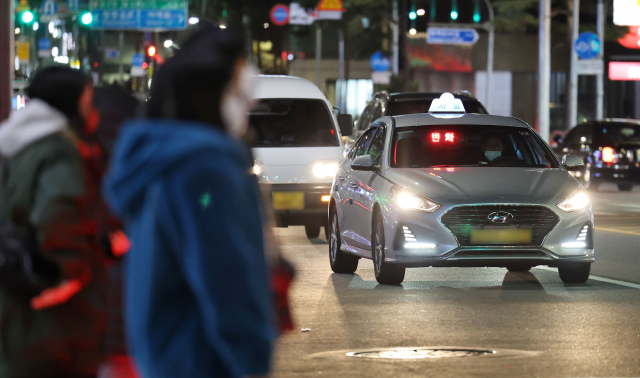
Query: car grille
<point x="461" y="220"/>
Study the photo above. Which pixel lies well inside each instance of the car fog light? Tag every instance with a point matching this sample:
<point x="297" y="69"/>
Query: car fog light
<point x="575" y="244"/>
<point x="414" y="245"/>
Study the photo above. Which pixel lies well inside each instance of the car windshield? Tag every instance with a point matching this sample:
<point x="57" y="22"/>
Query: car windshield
<point x="621" y="132"/>
<point x="416" y="106"/>
<point x="468" y="146"/>
<point x="293" y="123"/>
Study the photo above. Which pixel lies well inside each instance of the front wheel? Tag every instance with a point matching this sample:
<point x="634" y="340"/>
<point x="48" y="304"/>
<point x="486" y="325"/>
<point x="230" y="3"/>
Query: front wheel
<point x="312" y="231"/>
<point x="625" y="187"/>
<point x="575" y="274"/>
<point x="386" y="274"/>
<point x="340" y="261"/>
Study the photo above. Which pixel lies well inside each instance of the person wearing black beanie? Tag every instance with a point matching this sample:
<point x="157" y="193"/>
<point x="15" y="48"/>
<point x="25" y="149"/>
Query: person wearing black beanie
<point x="49" y="193"/>
<point x="198" y="299"/>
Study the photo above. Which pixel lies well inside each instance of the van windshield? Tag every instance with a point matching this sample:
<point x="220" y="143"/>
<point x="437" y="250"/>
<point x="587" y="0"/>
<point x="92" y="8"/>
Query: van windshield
<point x="293" y="123"/>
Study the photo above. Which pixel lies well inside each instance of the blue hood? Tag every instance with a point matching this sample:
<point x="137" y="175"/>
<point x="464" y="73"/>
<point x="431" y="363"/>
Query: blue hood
<point x="149" y="148"/>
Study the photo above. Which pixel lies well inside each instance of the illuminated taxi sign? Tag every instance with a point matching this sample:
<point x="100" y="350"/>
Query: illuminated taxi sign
<point x="446" y="104"/>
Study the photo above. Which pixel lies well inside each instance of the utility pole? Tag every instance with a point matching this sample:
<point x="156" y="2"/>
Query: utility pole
<point x="340" y="100"/>
<point x="602" y="16"/>
<point x="572" y="115"/>
<point x="318" y="54"/>
<point x="396" y="37"/>
<point x="7" y="35"/>
<point x="121" y="56"/>
<point x="492" y="34"/>
<point x="544" y="68"/>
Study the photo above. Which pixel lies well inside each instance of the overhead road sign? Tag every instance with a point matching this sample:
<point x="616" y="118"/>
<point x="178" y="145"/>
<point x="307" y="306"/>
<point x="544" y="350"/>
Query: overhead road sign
<point x="279" y="14"/>
<point x="73" y="5"/>
<point x="139" y="4"/>
<point x="451" y="36"/>
<point x="588" y="45"/>
<point x="167" y="17"/>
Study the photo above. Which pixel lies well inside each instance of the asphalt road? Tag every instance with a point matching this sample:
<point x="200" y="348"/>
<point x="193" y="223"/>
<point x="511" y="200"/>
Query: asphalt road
<point x="588" y="330"/>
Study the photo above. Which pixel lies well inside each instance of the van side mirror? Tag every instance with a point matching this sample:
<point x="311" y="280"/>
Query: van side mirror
<point x="572" y="162"/>
<point x="363" y="163"/>
<point x="345" y="122"/>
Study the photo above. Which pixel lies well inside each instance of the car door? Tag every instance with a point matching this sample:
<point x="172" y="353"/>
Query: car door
<point x="365" y="193"/>
<point x="350" y="190"/>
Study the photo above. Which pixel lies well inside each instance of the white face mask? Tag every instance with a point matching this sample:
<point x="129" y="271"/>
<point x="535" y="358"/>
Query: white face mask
<point x="491" y="155"/>
<point x="235" y="106"/>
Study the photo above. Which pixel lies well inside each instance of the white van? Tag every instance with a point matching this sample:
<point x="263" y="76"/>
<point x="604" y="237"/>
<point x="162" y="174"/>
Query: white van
<point x="297" y="148"/>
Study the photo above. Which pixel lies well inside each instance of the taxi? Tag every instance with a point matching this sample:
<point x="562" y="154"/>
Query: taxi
<point x="451" y="189"/>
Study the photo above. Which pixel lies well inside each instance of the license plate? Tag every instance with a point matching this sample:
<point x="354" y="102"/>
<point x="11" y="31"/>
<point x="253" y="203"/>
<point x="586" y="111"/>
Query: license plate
<point x="484" y="236"/>
<point x="288" y="200"/>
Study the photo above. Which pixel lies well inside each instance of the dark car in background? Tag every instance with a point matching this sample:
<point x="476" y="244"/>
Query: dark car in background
<point x="610" y="149"/>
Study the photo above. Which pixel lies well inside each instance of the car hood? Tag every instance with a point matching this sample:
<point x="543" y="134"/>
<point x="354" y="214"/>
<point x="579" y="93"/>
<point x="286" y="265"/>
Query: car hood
<point x="484" y="181"/>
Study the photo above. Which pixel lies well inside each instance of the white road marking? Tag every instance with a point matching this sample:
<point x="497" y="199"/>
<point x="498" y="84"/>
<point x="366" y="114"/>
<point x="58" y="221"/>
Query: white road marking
<point x="596" y="278"/>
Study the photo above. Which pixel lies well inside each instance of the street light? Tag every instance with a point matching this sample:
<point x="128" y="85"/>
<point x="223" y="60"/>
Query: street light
<point x="412" y="31"/>
<point x="421" y="12"/>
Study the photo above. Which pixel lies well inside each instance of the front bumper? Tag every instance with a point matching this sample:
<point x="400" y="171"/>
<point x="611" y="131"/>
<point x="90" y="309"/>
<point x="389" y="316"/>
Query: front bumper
<point x="447" y="251"/>
<point x="315" y="210"/>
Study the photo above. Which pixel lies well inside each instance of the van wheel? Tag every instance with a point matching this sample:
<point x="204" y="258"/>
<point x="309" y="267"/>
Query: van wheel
<point x="340" y="262"/>
<point x="312" y="231"/>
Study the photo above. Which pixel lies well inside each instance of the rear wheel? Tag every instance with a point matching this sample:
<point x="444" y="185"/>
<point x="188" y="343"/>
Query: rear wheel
<point x="575" y="273"/>
<point x="312" y="231"/>
<point x="340" y="261"/>
<point x="519" y="268"/>
<point x="625" y="187"/>
<point x="386" y="274"/>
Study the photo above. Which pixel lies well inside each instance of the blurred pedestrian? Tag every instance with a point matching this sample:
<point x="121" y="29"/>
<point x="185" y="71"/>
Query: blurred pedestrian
<point x="49" y="192"/>
<point x="198" y="298"/>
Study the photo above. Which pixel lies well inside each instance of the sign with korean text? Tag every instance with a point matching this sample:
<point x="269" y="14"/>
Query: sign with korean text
<point x="139" y="4"/>
<point x="624" y="71"/>
<point x="451" y="36"/>
<point x="158" y="15"/>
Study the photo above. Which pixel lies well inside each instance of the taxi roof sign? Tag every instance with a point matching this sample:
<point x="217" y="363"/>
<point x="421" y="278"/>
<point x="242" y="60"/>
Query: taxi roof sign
<point x="447" y="104"/>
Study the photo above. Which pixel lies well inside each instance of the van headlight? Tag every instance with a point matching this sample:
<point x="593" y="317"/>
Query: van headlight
<point x="577" y="201"/>
<point x="410" y="201"/>
<point x="324" y="170"/>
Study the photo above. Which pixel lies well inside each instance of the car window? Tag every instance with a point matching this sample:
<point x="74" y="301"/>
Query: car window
<point x="364" y="120"/>
<point x="416" y="106"/>
<point x="377" y="111"/>
<point x="293" y="123"/>
<point x="580" y="134"/>
<point x="470" y="146"/>
<point x="376" y="149"/>
<point x="362" y="145"/>
<point x="621" y="132"/>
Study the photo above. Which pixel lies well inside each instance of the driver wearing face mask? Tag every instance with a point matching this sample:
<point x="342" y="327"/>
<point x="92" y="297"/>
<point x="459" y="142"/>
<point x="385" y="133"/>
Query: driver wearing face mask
<point x="492" y="147"/>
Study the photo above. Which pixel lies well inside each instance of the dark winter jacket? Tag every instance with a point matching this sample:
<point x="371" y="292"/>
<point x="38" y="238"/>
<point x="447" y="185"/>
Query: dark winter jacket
<point x="49" y="191"/>
<point x="198" y="301"/>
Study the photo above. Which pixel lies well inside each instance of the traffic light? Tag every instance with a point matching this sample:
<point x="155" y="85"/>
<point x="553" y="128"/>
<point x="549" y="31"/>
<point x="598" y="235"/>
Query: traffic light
<point x="454" y="10"/>
<point x="413" y="15"/>
<point x="151" y="51"/>
<point x="27" y="17"/>
<point x="476" y="11"/>
<point x="86" y="18"/>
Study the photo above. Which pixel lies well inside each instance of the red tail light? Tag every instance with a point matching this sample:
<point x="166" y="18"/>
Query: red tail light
<point x="608" y="155"/>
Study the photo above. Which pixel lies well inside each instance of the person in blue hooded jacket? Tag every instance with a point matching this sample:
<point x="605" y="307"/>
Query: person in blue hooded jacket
<point x="198" y="300"/>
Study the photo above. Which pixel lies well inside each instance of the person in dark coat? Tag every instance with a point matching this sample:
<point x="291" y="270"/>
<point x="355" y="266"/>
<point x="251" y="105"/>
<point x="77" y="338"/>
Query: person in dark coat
<point x="49" y="191"/>
<point x="198" y="297"/>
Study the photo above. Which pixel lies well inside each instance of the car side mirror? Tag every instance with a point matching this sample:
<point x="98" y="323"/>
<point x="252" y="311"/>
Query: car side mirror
<point x="572" y="162"/>
<point x="345" y="122"/>
<point x="363" y="163"/>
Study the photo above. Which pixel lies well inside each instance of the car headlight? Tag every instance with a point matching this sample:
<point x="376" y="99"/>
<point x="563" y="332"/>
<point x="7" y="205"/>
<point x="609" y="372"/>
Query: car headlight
<point x="323" y="170"/>
<point x="410" y="201"/>
<point x="257" y="170"/>
<point x="577" y="201"/>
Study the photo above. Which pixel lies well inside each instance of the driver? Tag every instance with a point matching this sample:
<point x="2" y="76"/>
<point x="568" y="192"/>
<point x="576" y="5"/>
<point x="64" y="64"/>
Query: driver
<point x="492" y="146"/>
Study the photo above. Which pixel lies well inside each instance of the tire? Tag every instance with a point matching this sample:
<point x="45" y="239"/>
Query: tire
<point x="340" y="261"/>
<point x="575" y="274"/>
<point x="519" y="268"/>
<point x="312" y="231"/>
<point x="625" y="187"/>
<point x="386" y="274"/>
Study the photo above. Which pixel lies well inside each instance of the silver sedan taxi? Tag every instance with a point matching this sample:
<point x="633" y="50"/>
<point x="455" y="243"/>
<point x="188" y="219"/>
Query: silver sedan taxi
<point x="449" y="189"/>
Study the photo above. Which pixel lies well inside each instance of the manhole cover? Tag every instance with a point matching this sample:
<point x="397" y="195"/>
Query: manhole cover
<point x="417" y="353"/>
<point x="424" y="353"/>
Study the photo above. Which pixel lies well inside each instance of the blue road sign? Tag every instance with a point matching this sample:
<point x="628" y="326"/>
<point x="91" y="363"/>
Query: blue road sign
<point x="44" y="44"/>
<point x="379" y="62"/>
<point x="73" y="5"/>
<point x="587" y="45"/>
<point x="166" y="19"/>
<point x="137" y="60"/>
<point x="111" y="53"/>
<point x="49" y="7"/>
<point x="451" y="36"/>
